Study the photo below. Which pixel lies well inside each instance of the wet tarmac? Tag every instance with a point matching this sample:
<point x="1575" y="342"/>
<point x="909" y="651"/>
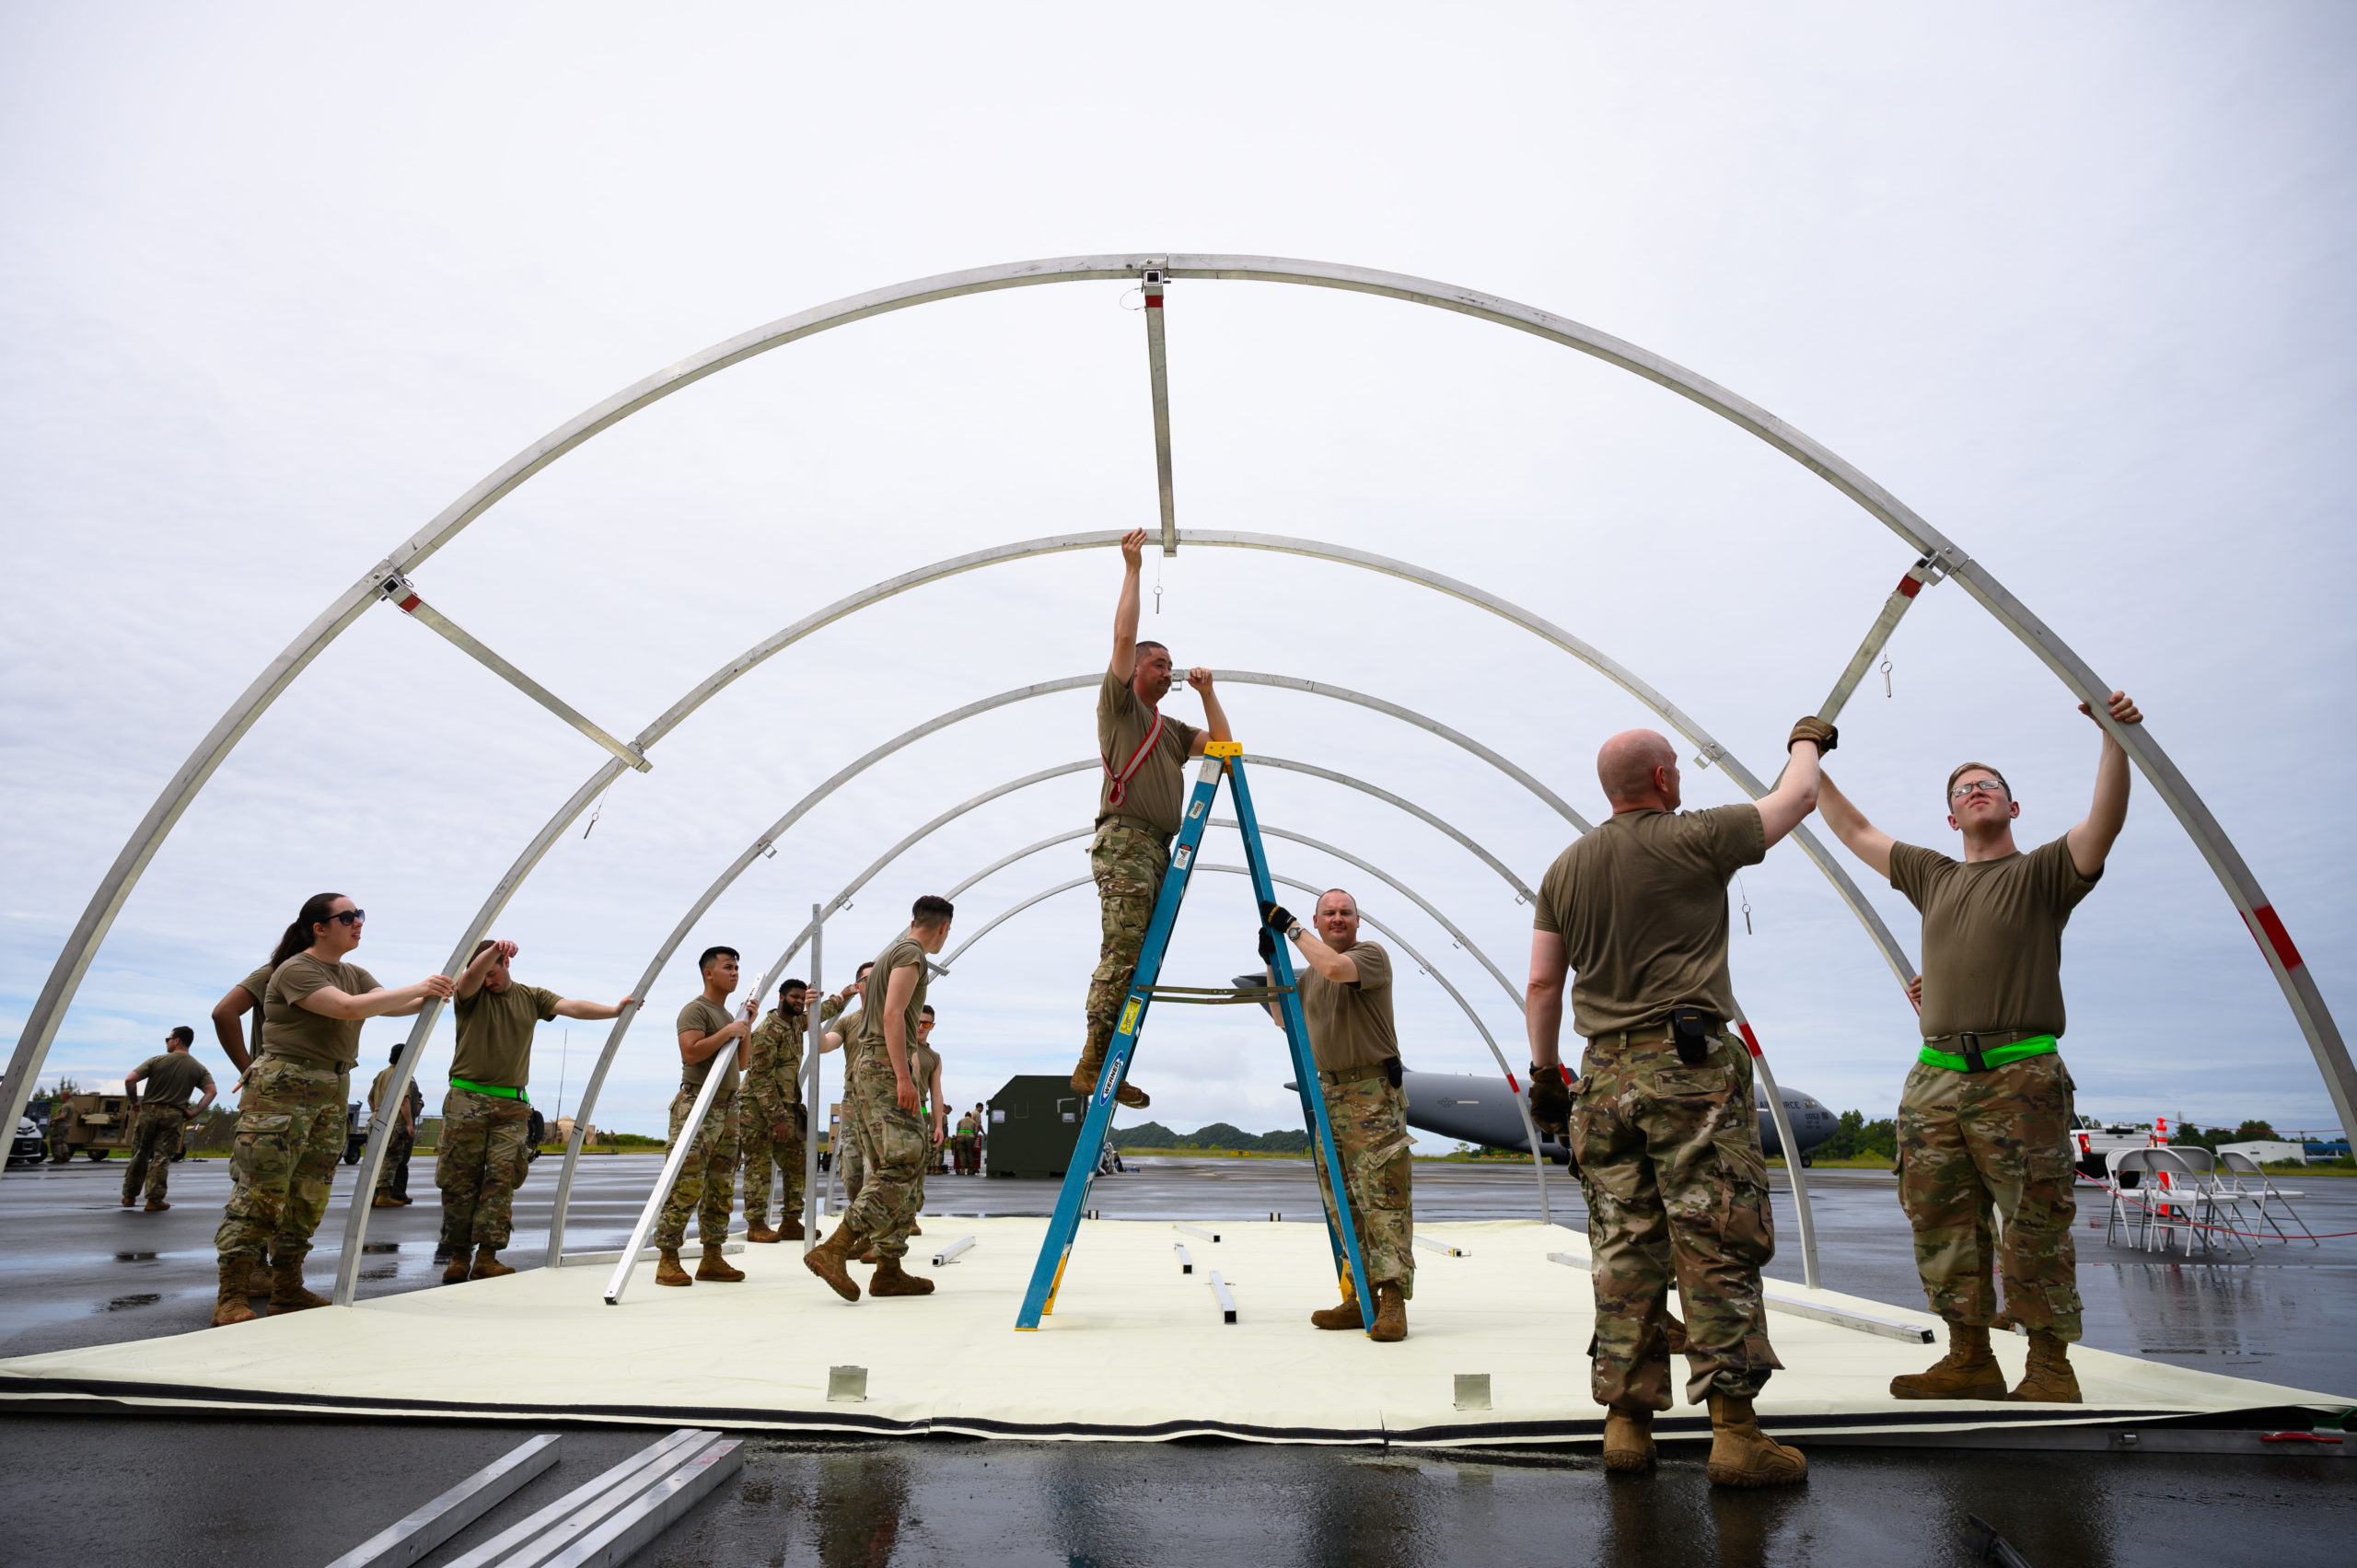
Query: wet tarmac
<point x="100" y="1490"/>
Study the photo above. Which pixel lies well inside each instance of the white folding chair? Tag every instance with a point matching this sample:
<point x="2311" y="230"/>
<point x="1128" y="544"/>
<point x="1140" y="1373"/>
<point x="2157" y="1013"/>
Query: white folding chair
<point x="2126" y="1212"/>
<point x="2242" y="1169"/>
<point x="2218" y="1206"/>
<point x="2185" y="1199"/>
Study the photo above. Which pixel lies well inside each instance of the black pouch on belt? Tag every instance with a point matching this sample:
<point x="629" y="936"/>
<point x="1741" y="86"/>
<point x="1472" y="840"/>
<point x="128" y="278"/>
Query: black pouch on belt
<point x="1391" y="1074"/>
<point x="1690" y="1028"/>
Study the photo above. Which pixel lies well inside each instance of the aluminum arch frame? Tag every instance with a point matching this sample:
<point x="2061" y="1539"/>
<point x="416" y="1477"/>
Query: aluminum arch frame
<point x="357" y="1220"/>
<point x="2193" y="814"/>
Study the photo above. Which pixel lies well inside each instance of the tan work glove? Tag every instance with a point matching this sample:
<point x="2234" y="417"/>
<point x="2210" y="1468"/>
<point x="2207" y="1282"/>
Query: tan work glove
<point x="1817" y="729"/>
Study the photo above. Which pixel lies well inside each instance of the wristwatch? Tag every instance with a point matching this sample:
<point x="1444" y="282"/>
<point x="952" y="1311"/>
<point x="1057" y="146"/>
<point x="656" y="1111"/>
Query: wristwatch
<point x="1293" y="931"/>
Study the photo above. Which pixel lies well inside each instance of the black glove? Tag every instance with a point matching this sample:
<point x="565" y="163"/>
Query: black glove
<point x="1275" y="916"/>
<point x="1267" y="946"/>
<point x="1550" y="1102"/>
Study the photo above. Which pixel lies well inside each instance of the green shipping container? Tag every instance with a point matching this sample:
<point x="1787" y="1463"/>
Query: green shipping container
<point x="1035" y="1122"/>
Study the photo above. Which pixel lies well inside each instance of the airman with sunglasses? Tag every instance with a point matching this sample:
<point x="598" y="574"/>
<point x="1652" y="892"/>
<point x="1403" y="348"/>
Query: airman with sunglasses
<point x="291" y="1121"/>
<point x="1986" y="1110"/>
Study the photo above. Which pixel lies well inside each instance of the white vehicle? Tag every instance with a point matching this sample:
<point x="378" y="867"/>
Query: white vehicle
<point x="2092" y="1144"/>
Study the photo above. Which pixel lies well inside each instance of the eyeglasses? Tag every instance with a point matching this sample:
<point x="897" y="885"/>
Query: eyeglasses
<point x="349" y="917"/>
<point x="1978" y="786"/>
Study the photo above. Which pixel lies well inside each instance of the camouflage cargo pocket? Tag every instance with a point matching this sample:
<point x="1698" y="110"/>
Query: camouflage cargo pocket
<point x="1746" y="1226"/>
<point x="1385" y="1174"/>
<point x="902" y="1138"/>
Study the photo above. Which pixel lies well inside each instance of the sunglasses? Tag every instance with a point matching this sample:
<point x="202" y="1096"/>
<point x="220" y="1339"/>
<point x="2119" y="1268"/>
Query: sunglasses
<point x="1978" y="786"/>
<point x="349" y="917"/>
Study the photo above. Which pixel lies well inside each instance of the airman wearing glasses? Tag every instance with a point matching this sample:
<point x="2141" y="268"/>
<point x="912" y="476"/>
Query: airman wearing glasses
<point x="291" y="1122"/>
<point x="1984" y="1116"/>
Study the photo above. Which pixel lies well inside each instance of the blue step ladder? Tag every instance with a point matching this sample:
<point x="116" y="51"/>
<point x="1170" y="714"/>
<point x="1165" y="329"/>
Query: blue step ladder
<point x="1220" y="757"/>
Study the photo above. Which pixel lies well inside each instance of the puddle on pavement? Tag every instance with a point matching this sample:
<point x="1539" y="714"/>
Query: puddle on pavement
<point x="123" y="1303"/>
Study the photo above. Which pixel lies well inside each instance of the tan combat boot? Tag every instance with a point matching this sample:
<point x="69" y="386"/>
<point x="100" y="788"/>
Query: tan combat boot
<point x="827" y="1260"/>
<point x="667" y="1271"/>
<point x="1967" y="1372"/>
<point x="286" y="1291"/>
<point x="759" y="1232"/>
<point x="259" y="1283"/>
<point x="487" y="1265"/>
<point x="1390" y="1314"/>
<point x="156" y="1206"/>
<point x="231" y="1307"/>
<point x="916" y="1229"/>
<point x="1628" y="1441"/>
<point x="715" y="1267"/>
<point x="2048" y="1380"/>
<point x="384" y="1200"/>
<point x="1346" y="1316"/>
<point x="791" y="1230"/>
<point x="1129" y="1094"/>
<point x="890" y="1279"/>
<point x="458" y="1268"/>
<point x="1742" y="1455"/>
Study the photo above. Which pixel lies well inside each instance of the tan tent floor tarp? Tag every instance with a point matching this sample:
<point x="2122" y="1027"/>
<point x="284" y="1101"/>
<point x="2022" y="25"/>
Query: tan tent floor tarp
<point x="1135" y="1351"/>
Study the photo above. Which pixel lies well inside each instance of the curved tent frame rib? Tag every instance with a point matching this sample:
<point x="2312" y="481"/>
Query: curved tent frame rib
<point x="356" y="1221"/>
<point x="2225" y="861"/>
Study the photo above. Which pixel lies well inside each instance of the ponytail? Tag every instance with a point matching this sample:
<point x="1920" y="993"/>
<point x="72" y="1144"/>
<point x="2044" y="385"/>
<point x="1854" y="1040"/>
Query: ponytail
<point x="299" y="936"/>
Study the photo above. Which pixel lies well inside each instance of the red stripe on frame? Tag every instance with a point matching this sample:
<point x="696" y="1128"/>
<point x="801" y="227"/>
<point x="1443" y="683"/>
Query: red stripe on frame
<point x="410" y="603"/>
<point x="1749" y="1038"/>
<point x="2266" y="929"/>
<point x="1154" y="302"/>
<point x="1910" y="586"/>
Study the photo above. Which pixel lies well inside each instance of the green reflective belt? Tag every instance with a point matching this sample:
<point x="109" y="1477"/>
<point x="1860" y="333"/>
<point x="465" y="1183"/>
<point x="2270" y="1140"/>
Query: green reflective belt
<point x="1996" y="1056"/>
<point x="474" y="1088"/>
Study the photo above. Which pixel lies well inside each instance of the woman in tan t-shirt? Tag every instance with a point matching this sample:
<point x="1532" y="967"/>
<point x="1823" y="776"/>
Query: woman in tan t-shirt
<point x="291" y="1123"/>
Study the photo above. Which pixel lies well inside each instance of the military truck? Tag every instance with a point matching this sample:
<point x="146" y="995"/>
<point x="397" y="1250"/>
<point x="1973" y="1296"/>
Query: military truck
<point x="92" y="1124"/>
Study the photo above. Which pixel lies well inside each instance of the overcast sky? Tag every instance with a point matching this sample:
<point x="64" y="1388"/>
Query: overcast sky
<point x="280" y="282"/>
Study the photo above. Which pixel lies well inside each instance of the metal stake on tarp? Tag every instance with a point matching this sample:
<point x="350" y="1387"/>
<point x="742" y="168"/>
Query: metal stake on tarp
<point x="717" y="1068"/>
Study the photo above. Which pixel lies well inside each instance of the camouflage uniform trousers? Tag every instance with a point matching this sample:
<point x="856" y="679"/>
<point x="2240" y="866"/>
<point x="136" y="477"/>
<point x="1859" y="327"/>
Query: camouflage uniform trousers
<point x="1974" y="1143"/>
<point x="853" y="1166"/>
<point x="155" y="1145"/>
<point x="1669" y="1160"/>
<point x="399" y="1144"/>
<point x="479" y="1162"/>
<point x="1128" y="864"/>
<point x="1372" y="1140"/>
<point x="707" y="1183"/>
<point x="761" y="1149"/>
<point x="290" y="1137"/>
<point x="893" y="1146"/>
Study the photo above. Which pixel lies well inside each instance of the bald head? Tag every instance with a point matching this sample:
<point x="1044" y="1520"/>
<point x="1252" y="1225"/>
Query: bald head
<point x="1637" y="769"/>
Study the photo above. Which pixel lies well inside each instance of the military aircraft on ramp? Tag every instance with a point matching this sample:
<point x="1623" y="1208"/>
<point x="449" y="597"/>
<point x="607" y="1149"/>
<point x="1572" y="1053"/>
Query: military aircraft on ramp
<point x="1473" y="1108"/>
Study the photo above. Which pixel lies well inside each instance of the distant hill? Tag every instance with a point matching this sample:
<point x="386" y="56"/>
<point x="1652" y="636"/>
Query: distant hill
<point x="1215" y="1135"/>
